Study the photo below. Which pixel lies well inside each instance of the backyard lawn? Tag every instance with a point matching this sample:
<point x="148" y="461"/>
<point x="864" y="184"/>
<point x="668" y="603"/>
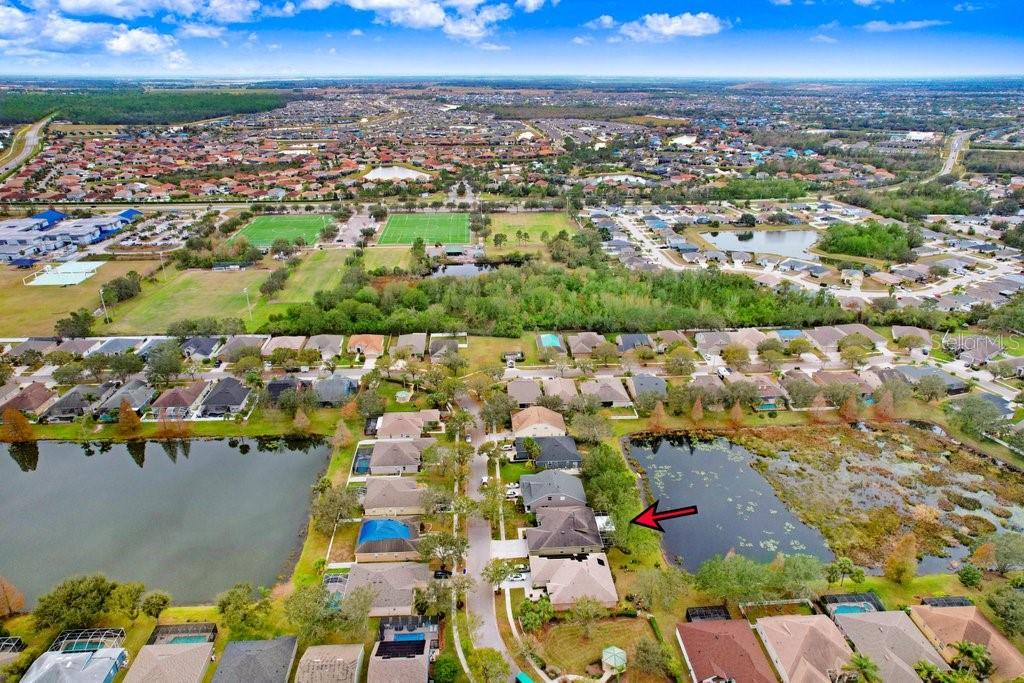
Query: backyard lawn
<point x="534" y="225"/>
<point x="564" y="646"/>
<point x="34" y="310"/>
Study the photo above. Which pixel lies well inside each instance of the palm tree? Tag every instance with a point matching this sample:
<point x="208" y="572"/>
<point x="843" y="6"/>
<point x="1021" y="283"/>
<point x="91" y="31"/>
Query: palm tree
<point x="863" y="668"/>
<point x="928" y="672"/>
<point x="973" y="658"/>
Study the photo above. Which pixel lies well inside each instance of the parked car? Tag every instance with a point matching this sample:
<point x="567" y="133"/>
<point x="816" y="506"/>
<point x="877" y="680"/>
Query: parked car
<point x="442" y="574"/>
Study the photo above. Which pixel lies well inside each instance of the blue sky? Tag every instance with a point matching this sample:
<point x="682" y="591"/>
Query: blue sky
<point x="713" y="38"/>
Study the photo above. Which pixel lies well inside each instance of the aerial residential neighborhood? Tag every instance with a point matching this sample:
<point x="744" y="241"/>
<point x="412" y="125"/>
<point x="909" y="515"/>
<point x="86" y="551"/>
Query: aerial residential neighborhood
<point x="530" y="342"/>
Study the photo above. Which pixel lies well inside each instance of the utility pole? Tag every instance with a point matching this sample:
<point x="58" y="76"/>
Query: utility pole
<point x="106" y="316"/>
<point x="247" y="304"/>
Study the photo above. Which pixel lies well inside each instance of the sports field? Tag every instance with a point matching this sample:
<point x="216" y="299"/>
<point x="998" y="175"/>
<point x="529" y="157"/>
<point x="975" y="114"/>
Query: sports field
<point x="434" y="228"/>
<point x="263" y="230"/>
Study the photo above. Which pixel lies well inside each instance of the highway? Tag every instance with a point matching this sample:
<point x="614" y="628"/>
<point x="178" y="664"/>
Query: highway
<point x="31" y="139"/>
<point x="958" y="145"/>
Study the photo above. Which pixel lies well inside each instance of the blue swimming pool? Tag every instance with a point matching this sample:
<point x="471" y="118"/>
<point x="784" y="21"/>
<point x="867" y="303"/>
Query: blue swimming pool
<point x="382" y="530"/>
<point x="550" y="341"/>
<point x="853" y="608"/>
<point x="409" y="636"/>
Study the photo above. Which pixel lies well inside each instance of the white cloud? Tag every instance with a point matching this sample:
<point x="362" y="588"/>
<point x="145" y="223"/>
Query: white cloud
<point x="492" y="47"/>
<point x="870" y="3"/>
<point x="822" y="38"/>
<point x="119" y="9"/>
<point x="890" y="27"/>
<point x="580" y="40"/>
<point x="355" y="33"/>
<point x="231" y="11"/>
<point x="966" y="7"/>
<point x="138" y="40"/>
<point x="532" y="5"/>
<point x="784" y="3"/>
<point x="332" y="51"/>
<point x="13" y="21"/>
<point x="200" y="31"/>
<point x="661" y="27"/>
<point x="176" y="60"/>
<point x="605" y="21"/>
<point x="70" y="32"/>
<point x="830" y="26"/>
<point x="614" y="39"/>
<point x="474" y="26"/>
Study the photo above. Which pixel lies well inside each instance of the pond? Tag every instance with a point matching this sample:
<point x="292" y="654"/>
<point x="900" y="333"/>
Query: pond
<point x="462" y="270"/>
<point x="738" y="509"/>
<point x="189" y="517"/>
<point x="788" y="243"/>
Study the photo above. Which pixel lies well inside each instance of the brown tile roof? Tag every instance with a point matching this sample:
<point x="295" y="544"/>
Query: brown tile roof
<point x="806" y="648"/>
<point x="727" y="650"/>
<point x="537" y="415"/>
<point x="947" y="625"/>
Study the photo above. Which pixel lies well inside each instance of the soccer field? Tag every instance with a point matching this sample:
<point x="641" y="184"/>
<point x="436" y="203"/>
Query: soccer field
<point x="434" y="228"/>
<point x="263" y="230"/>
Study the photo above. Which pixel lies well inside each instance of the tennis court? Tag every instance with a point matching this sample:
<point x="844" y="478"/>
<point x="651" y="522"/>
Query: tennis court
<point x="433" y="228"/>
<point x="263" y="230"/>
<point x="66" y="274"/>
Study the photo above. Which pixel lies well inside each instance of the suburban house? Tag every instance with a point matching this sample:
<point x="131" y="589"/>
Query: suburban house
<point x="538" y="421"/>
<point x="647" y="384"/>
<point x="825" y="338"/>
<point x="78" y="401"/>
<point x="407" y="425"/>
<point x="257" y="661"/>
<point x="975" y="350"/>
<point x="414" y="345"/>
<point x="893" y="641"/>
<point x="723" y="650"/>
<point x="393" y="497"/>
<point x="78" y="347"/>
<point x="551" y="488"/>
<point x="901" y="331"/>
<point x="804" y="648"/>
<point x="335" y="390"/>
<point x="912" y="374"/>
<point x="235" y="345"/>
<point x="116" y="345"/>
<point x="666" y="339"/>
<point x="387" y="540"/>
<point x="555" y="452"/>
<point x="564" y="531"/>
<point x="864" y="388"/>
<point x="227" y="396"/>
<point x="712" y="343"/>
<point x="943" y="626"/>
<point x="441" y="347"/>
<point x="366" y="345"/>
<point x="136" y="392"/>
<point x="393" y="584"/>
<point x="608" y="391"/>
<point x="329" y="345"/>
<point x="279" y="385"/>
<point x="876" y="339"/>
<point x="561" y="387"/>
<point x="178" y="403"/>
<point x="584" y="343"/>
<point x="524" y="392"/>
<point x="567" y="579"/>
<point x="32" y="400"/>
<point x="334" y="663"/>
<point x="171" y="663"/>
<point x="90" y="666"/>
<point x="399" y="660"/>
<point x="398" y="457"/>
<point x="200" y="348"/>
<point x="288" y="343"/>
<point x="747" y="337"/>
<point x="630" y="342"/>
<point x="41" y="345"/>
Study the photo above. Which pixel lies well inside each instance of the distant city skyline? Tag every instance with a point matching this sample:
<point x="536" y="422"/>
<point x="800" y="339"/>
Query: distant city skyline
<point x="336" y="38"/>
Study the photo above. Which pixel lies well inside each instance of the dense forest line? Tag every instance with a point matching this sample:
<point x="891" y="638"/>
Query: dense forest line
<point x="919" y="200"/>
<point x="133" y="106"/>
<point x="511" y="301"/>
<point x="873" y="240"/>
<point x="990" y="161"/>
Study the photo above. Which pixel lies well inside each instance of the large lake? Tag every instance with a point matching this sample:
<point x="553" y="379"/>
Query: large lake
<point x="788" y="243"/>
<point x="192" y="518"/>
<point x="737" y="508"/>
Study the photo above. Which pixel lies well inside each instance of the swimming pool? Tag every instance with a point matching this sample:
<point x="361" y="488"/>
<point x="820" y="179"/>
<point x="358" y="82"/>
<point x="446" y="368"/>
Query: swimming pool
<point x="550" y="341"/>
<point x="382" y="530"/>
<point x="853" y="608"/>
<point x="409" y="636"/>
<point x="185" y="640"/>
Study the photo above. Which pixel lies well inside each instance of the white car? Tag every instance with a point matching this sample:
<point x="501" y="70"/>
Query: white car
<point x="508" y="447"/>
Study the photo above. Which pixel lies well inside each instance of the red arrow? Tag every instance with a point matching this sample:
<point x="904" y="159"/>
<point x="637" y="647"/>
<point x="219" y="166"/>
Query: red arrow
<point x="651" y="518"/>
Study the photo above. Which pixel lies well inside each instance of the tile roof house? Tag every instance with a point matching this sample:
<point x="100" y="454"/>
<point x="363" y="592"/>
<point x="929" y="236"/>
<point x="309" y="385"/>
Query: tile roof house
<point x="567" y="579"/>
<point x="645" y="383"/>
<point x="608" y="391"/>
<point x="804" y="649"/>
<point x="584" y="343"/>
<point x="176" y="403"/>
<point x="976" y="350"/>
<point x="943" y="626"/>
<point x="393" y="584"/>
<point x="561" y="387"/>
<point x="414" y="344"/>
<point x="551" y="488"/>
<point x="398" y="457"/>
<point x="393" y="497"/>
<point x="170" y="663"/>
<point x="664" y="339"/>
<point x="227" y="396"/>
<point x="712" y="343"/>
<point x="393" y="661"/>
<point x="329" y="345"/>
<point x="860" y="328"/>
<point x="33" y="399"/>
<point x="257" y="661"/>
<point x="901" y="331"/>
<point x="723" y="650"/>
<point x="748" y="338"/>
<point x="369" y="345"/>
<point x="556" y="452"/>
<point x="825" y="338"/>
<point x="564" y="531"/>
<point x="523" y="392"/>
<point x="407" y="425"/>
<point x="234" y="345"/>
<point x="330" y="664"/>
<point x="275" y="343"/>
<point x="892" y="641"/>
<point x="78" y="347"/>
<point x="538" y="421"/>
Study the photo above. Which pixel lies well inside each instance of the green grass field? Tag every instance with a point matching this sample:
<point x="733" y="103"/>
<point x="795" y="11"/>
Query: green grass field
<point x="263" y="230"/>
<point x="434" y="228"/>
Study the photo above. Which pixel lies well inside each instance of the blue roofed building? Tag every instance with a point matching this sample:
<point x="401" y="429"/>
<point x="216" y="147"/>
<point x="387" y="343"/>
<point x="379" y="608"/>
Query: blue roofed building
<point x="130" y="214"/>
<point x="51" y="216"/>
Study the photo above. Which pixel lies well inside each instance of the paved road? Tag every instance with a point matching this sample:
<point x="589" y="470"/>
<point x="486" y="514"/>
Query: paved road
<point x="32" y="136"/>
<point x="958" y="145"/>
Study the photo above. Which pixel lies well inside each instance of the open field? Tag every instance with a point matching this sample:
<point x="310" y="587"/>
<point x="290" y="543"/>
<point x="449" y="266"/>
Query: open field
<point x="318" y="270"/>
<point x="263" y="230"/>
<point x="186" y="294"/>
<point x="433" y="228"/>
<point x="385" y="257"/>
<point x="532" y="228"/>
<point x="34" y="310"/>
